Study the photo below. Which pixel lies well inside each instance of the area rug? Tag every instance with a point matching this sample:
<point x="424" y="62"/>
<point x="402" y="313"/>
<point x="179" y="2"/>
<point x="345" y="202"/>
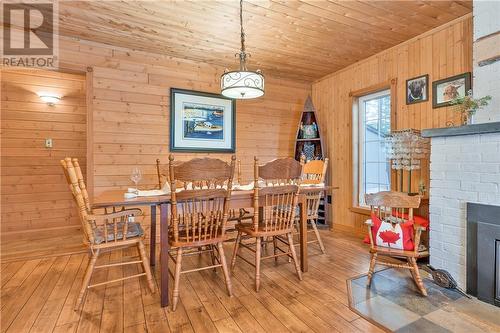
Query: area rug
<point x="394" y="304"/>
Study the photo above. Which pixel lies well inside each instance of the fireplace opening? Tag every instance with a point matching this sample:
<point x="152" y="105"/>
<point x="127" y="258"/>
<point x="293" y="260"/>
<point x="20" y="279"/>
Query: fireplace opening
<point x="483" y="252"/>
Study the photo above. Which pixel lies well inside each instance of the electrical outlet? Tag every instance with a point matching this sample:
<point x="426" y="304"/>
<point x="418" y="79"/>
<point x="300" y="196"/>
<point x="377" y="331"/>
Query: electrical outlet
<point x="48" y="143"/>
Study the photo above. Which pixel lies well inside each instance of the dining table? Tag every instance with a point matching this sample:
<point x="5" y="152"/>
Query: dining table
<point x="239" y="199"/>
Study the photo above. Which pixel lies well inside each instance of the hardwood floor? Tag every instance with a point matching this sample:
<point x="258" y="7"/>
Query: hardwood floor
<point x="38" y="295"/>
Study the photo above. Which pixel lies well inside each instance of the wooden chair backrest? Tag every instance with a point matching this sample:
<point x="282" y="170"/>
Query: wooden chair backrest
<point x="200" y="210"/>
<point x="392" y="205"/>
<point x="76" y="184"/>
<point x="314" y="172"/>
<point x="279" y="197"/>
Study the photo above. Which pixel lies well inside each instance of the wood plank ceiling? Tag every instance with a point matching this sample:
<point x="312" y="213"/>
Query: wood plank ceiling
<point x="304" y="39"/>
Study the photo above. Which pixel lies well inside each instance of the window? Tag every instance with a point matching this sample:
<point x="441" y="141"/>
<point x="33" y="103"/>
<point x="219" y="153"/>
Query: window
<point x="372" y="123"/>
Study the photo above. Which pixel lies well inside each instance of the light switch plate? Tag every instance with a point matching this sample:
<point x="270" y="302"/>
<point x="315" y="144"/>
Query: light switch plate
<point x="48" y="143"/>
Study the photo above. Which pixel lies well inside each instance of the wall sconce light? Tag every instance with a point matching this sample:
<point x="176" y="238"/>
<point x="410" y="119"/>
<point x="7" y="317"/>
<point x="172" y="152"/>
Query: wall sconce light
<point x="49" y="99"/>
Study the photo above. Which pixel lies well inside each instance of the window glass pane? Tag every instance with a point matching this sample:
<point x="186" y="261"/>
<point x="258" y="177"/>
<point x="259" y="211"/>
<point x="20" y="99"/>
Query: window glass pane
<point x="374" y="123"/>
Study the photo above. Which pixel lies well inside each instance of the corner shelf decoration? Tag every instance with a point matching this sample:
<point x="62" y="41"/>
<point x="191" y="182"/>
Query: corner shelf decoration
<point x="308" y="142"/>
<point x="309" y="146"/>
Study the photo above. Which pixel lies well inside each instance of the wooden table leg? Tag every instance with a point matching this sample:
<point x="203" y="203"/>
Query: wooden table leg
<point x="304" y="266"/>
<point x="164" y="247"/>
<point x="152" y="242"/>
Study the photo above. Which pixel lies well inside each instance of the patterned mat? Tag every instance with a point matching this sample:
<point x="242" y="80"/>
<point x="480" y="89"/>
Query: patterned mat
<point x="394" y="304"/>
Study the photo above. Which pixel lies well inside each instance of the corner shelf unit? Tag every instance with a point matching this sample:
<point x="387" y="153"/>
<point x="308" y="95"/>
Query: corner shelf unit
<point x="311" y="146"/>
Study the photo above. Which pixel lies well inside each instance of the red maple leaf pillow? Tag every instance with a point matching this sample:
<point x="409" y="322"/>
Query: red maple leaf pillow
<point x="397" y="236"/>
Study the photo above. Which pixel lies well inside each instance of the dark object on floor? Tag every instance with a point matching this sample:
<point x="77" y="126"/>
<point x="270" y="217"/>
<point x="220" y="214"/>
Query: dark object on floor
<point x="443" y="279"/>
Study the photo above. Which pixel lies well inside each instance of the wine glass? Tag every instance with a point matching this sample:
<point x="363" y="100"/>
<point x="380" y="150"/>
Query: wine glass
<point x="136" y="176"/>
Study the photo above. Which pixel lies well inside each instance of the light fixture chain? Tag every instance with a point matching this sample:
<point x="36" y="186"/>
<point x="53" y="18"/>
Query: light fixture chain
<point x="241" y="26"/>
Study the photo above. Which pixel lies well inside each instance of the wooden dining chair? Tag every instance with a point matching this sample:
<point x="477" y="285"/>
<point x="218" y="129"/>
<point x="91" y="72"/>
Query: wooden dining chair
<point x="106" y="232"/>
<point x="395" y="208"/>
<point x="313" y="173"/>
<point x="240" y="214"/>
<point x="274" y="211"/>
<point x="199" y="213"/>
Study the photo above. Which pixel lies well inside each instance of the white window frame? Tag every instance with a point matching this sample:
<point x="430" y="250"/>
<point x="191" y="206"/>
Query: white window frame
<point x="357" y="139"/>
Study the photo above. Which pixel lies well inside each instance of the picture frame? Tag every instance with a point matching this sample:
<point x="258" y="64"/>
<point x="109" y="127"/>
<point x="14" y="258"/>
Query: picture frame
<point x="445" y="90"/>
<point x="417" y="89"/>
<point x="201" y="122"/>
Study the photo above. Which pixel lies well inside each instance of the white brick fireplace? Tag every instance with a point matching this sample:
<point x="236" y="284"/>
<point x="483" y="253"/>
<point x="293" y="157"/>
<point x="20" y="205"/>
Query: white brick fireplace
<point x="464" y="168"/>
<point x="465" y="161"/>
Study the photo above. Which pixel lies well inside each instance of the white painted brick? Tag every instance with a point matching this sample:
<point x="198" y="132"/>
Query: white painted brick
<point x="462" y="169"/>
<point x="489" y="157"/>
<point x="453" y="239"/>
<point x="461" y="195"/>
<point x="459" y="175"/>
<point x="453" y="249"/>
<point x="490" y="178"/>
<point x="462" y="139"/>
<point x="435" y="220"/>
<point x="457" y="157"/>
<point x="489" y="198"/>
<point x="481" y="167"/>
<point x="479" y="187"/>
<point x="453" y="212"/>
<point x="439" y="175"/>
<point x="450" y="221"/>
<point x="490" y="137"/>
<point x="440" y="166"/>
<point x="448" y="184"/>
<point x="440" y="140"/>
<point x="436" y="210"/>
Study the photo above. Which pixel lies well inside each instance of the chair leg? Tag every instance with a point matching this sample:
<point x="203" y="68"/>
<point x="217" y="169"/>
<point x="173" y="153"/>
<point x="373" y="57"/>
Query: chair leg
<point x="275" y="248"/>
<point x="416" y="276"/>
<point x="294" y="255"/>
<point x="145" y="266"/>
<point x="258" y="250"/>
<point x="225" y="270"/>
<point x="235" y="250"/>
<point x="318" y="237"/>
<point x="212" y="256"/>
<point x="86" y="278"/>
<point x="177" y="277"/>
<point x="373" y="261"/>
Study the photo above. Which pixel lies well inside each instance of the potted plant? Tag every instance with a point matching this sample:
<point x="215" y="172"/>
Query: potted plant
<point x="468" y="106"/>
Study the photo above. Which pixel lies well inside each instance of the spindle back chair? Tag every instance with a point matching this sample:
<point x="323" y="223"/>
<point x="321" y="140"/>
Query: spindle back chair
<point x="314" y="173"/>
<point x="276" y="189"/>
<point x="199" y="212"/>
<point x="395" y="207"/>
<point x="105" y="232"/>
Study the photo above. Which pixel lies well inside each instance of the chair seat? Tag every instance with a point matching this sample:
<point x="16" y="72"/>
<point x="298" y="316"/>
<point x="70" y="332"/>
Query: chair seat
<point x="269" y="231"/>
<point x="297" y="210"/>
<point x="381" y="250"/>
<point x="134" y="229"/>
<point x="184" y="241"/>
<point x="239" y="214"/>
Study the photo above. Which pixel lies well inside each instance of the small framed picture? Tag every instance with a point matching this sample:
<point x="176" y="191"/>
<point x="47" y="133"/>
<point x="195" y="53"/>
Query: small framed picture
<point x="417" y="89"/>
<point x="445" y="90"/>
<point x="201" y="122"/>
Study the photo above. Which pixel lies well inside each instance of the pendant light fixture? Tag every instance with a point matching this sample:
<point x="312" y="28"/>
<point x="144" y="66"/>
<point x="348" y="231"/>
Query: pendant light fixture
<point x="242" y="84"/>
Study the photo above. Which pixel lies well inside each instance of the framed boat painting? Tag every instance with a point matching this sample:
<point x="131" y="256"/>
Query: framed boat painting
<point x="201" y="122"/>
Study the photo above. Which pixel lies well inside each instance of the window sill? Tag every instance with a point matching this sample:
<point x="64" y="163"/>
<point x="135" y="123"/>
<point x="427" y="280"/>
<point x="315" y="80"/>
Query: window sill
<point x="361" y="210"/>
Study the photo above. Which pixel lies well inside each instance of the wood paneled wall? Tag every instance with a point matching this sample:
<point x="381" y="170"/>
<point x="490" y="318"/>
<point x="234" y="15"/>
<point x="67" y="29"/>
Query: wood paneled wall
<point x="442" y="52"/>
<point x="34" y="192"/>
<point x="128" y="101"/>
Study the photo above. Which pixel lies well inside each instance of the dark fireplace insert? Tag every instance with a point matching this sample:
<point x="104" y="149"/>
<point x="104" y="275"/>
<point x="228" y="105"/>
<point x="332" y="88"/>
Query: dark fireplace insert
<point x="483" y="252"/>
